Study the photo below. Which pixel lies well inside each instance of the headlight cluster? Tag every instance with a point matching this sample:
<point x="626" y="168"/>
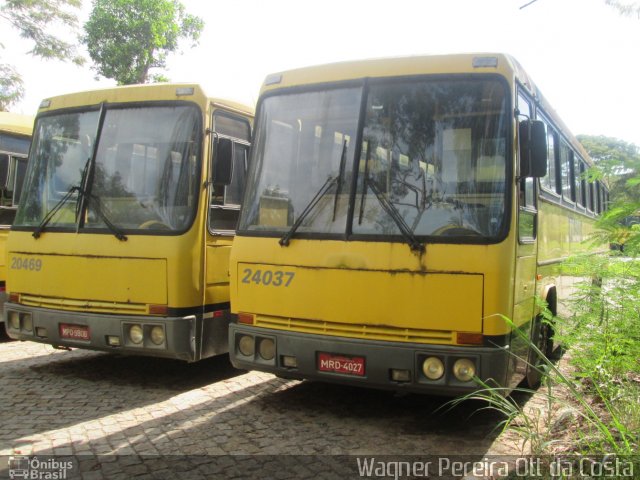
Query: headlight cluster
<point x="144" y="335"/>
<point x="20" y="321"/>
<point x="261" y="348"/>
<point x="463" y="369"/>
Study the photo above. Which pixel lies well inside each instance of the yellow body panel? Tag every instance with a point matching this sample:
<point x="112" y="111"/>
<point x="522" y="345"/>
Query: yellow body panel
<point x="449" y="288"/>
<point x="16" y="123"/>
<point x="372" y="284"/>
<point x="83" y="271"/>
<point x="4" y="233"/>
<point x="99" y="268"/>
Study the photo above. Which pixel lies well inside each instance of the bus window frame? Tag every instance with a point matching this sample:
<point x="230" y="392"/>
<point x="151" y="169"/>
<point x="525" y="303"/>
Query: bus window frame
<point x="365" y="84"/>
<point x="116" y="106"/>
<point x="226" y="207"/>
<point x="523" y="184"/>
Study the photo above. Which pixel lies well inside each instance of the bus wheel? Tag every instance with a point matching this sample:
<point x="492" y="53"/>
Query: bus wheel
<point x="535" y="362"/>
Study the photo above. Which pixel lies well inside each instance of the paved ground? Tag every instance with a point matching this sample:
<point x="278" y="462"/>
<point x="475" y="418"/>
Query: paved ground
<point x="124" y="417"/>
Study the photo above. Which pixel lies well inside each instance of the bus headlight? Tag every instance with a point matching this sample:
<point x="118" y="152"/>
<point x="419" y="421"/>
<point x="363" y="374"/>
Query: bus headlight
<point x="464" y="369"/>
<point x="433" y="368"/>
<point x="135" y="334"/>
<point x="27" y="322"/>
<point x="14" y="320"/>
<point x="157" y="335"/>
<point x="267" y="349"/>
<point x="246" y="345"/>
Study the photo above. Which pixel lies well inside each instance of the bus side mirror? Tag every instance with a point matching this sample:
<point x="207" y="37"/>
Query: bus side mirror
<point x="533" y="148"/>
<point x="223" y="161"/>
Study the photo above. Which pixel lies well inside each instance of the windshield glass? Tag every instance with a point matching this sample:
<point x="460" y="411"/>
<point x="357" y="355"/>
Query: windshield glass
<point x="436" y="151"/>
<point x="62" y="146"/>
<point x="303" y="141"/>
<point x="145" y="175"/>
<point x="432" y="161"/>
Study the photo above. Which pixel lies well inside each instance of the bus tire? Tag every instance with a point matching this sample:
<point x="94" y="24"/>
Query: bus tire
<point x="536" y="362"/>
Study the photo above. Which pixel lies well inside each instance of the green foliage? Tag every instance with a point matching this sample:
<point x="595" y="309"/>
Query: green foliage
<point x="126" y="38"/>
<point x="34" y="19"/>
<point x="11" y="87"/>
<point x="607" y="418"/>
<point x="618" y="164"/>
<point x="626" y="8"/>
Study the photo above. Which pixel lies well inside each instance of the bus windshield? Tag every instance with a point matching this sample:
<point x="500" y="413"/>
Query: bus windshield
<point x="432" y="160"/>
<point x="143" y="175"/>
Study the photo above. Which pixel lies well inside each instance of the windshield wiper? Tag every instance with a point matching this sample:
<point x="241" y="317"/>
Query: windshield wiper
<point x="81" y="194"/>
<point x="343" y="160"/>
<point x="51" y="213"/>
<point x="83" y="197"/>
<point x="284" y="241"/>
<point x="396" y="216"/>
<point x="95" y="200"/>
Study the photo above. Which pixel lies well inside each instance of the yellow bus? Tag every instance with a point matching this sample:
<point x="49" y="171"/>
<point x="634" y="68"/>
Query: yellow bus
<point x="123" y="233"/>
<point x="15" y="137"/>
<point x="396" y="210"/>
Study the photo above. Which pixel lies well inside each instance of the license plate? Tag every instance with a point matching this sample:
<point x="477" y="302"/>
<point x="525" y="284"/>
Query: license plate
<point x="74" y="332"/>
<point x="329" y="362"/>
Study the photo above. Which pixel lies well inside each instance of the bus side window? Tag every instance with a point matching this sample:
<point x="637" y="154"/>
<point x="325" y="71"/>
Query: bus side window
<point x="550" y="181"/>
<point x="225" y="201"/>
<point x="566" y="168"/>
<point x="4" y="170"/>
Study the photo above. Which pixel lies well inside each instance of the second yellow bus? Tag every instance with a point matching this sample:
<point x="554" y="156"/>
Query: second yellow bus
<point x="122" y="237"/>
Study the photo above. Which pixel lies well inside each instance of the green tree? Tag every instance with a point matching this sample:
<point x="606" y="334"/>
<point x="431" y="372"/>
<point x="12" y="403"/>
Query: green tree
<point x="618" y="163"/>
<point x="127" y="38"/>
<point x="34" y="19"/>
<point x="626" y="8"/>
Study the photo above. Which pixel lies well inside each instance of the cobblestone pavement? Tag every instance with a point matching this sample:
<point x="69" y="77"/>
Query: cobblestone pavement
<point x="124" y="417"/>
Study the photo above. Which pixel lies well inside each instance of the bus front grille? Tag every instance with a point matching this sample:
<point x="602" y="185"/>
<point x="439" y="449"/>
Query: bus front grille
<point x="372" y="332"/>
<point x="82" y="305"/>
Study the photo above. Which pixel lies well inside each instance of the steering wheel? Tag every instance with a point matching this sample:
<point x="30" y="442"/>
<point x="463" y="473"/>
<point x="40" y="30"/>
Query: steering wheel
<point x="451" y="230"/>
<point x="155" y="224"/>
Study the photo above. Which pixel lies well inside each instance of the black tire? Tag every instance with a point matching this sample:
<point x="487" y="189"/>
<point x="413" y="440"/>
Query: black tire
<point x="540" y="337"/>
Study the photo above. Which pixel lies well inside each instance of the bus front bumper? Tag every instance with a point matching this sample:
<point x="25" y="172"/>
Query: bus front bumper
<point x="169" y="337"/>
<point x="376" y="364"/>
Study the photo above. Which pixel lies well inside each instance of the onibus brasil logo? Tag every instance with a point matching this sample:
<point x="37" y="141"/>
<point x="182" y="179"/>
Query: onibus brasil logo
<point x="22" y="466"/>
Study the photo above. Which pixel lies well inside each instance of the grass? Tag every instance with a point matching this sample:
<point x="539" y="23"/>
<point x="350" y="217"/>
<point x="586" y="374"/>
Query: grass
<point x="594" y="409"/>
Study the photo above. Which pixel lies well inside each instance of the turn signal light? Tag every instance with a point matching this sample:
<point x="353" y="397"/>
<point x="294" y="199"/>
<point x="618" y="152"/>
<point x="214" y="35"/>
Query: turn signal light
<point x="158" y="310"/>
<point x="246" y="318"/>
<point x="467" y="338"/>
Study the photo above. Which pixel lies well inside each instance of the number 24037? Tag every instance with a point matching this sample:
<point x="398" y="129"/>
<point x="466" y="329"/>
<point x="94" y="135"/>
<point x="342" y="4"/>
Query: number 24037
<point x="276" y="278"/>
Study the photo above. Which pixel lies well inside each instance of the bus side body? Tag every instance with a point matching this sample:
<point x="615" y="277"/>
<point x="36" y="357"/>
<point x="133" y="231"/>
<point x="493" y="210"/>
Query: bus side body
<point x="131" y="260"/>
<point x="394" y="258"/>
<point x="15" y="137"/>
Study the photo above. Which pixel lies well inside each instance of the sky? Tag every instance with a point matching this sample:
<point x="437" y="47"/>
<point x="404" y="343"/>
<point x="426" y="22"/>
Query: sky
<point x="582" y="54"/>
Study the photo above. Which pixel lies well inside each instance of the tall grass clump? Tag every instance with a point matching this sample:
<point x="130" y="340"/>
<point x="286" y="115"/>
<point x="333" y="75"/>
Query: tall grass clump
<point x="593" y="406"/>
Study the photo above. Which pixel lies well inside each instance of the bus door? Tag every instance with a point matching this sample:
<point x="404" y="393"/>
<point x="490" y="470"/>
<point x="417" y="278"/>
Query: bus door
<point x="225" y="198"/>
<point x="526" y="248"/>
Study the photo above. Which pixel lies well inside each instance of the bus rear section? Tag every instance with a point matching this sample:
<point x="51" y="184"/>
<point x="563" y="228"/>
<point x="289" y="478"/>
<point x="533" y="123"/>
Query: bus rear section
<point x="122" y="237"/>
<point x="389" y="235"/>
<point x="15" y="137"/>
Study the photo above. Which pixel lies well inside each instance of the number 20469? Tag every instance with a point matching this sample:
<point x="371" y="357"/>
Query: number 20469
<point x="277" y="278"/>
<point x="34" y="264"/>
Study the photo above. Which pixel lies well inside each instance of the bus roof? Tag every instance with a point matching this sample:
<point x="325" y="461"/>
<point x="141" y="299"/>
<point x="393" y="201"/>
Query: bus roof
<point x="464" y="63"/>
<point x="138" y="93"/>
<point x="16" y="123"/>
